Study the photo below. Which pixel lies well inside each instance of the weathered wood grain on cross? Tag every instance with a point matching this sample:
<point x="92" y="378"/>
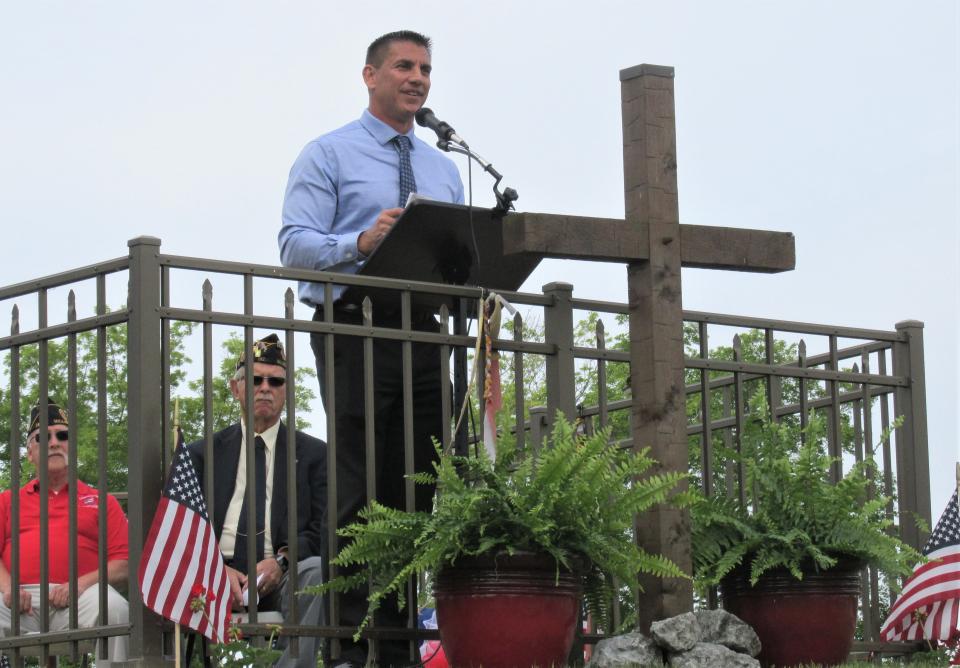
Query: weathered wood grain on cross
<point x="655" y="246"/>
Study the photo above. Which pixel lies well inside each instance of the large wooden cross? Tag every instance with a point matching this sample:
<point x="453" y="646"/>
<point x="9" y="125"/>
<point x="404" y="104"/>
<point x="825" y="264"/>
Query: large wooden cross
<point x="655" y="246"/>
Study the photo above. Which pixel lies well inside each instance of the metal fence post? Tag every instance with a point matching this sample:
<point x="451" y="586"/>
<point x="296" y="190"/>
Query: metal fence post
<point x="538" y="420"/>
<point x="913" y="466"/>
<point x="145" y="417"/>
<point x="558" y="331"/>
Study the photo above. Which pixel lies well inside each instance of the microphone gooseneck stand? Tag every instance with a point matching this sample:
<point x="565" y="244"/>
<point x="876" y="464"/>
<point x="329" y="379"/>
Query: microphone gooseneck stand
<point x="506" y="198"/>
<point x="449" y="141"/>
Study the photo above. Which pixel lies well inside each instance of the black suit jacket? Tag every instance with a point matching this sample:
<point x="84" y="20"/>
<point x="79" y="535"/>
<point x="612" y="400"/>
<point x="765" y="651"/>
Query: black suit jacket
<point x="311" y="473"/>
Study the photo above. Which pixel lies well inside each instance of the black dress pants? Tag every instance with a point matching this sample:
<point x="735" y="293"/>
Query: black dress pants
<point x="348" y="391"/>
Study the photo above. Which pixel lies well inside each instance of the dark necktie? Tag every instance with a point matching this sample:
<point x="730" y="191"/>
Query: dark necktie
<point x="408" y="184"/>
<point x="240" y="546"/>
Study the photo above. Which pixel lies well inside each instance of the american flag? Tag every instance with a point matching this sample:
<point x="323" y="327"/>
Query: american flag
<point x="181" y="557"/>
<point x="928" y="606"/>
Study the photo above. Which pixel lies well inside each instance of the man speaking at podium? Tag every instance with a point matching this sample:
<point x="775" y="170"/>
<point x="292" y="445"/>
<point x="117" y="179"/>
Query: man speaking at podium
<point x="346" y="190"/>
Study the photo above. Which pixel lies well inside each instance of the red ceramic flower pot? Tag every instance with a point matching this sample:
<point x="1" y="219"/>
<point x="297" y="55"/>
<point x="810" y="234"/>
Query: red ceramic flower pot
<point x="507" y="611"/>
<point x="799" y="622"/>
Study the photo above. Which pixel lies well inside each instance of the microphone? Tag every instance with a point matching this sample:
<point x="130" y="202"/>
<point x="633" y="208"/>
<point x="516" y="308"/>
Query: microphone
<point x="426" y="118"/>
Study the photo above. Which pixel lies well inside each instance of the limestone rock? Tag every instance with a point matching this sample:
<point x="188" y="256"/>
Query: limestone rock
<point x="708" y="655"/>
<point x="632" y="650"/>
<point x="723" y="628"/>
<point x="677" y="634"/>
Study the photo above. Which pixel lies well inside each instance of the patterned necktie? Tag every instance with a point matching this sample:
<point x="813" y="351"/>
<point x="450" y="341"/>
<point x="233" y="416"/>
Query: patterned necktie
<point x="240" y="546"/>
<point x="408" y="184"/>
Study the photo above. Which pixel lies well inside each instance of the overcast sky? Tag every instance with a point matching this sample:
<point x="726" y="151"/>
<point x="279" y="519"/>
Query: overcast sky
<point x="837" y="121"/>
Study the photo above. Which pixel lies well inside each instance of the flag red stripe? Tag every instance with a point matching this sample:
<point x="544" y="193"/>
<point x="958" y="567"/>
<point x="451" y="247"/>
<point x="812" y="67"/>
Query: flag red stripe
<point x="185" y="577"/>
<point x="152" y="558"/>
<point x="180" y="553"/>
<point x="147" y="572"/>
<point x="947" y="619"/>
<point x="216" y="576"/>
<point x="949" y="561"/>
<point x="151" y="540"/>
<point x="189" y="532"/>
<point x="946" y="564"/>
<point x="939" y="587"/>
<point x="161" y="554"/>
<point x="927" y="607"/>
<point x="173" y="581"/>
<point x="936" y="584"/>
<point x="173" y="553"/>
<point x="143" y="573"/>
<point x="203" y="626"/>
<point x="209" y="569"/>
<point x="188" y="576"/>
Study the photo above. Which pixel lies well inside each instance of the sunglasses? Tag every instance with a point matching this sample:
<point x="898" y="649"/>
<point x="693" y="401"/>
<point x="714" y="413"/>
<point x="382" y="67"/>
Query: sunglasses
<point x="274" y="381"/>
<point x="59" y="435"/>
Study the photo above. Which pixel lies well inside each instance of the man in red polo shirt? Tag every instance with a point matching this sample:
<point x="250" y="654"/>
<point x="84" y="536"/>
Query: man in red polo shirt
<point x="58" y="499"/>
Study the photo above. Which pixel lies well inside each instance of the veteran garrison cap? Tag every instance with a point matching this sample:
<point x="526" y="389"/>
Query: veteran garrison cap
<point x="55" y="415"/>
<point x="267" y="350"/>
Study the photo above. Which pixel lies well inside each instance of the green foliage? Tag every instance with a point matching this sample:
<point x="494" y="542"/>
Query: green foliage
<point x="794" y="515"/>
<point x="618" y="373"/>
<point x="226" y="411"/>
<point x="239" y="653"/>
<point x="585" y="375"/>
<point x="756" y="438"/>
<point x="940" y="655"/>
<point x="574" y="500"/>
<point x="534" y="376"/>
<point x="753" y="349"/>
<point x="114" y="340"/>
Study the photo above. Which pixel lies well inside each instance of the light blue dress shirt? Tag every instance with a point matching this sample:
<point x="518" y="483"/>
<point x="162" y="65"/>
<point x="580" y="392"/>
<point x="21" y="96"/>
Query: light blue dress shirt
<point x="338" y="186"/>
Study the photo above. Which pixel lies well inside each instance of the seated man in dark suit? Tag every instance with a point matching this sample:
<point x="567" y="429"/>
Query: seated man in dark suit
<point x="229" y="512"/>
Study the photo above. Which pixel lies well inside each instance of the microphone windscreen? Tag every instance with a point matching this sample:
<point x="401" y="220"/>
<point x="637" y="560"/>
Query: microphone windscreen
<point x="422" y="115"/>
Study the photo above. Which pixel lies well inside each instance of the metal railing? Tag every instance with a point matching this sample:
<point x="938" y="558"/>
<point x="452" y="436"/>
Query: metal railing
<point x="858" y="379"/>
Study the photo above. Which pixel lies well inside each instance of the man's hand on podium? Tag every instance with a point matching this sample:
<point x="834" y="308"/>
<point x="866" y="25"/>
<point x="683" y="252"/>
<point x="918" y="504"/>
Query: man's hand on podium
<point x="371" y="237"/>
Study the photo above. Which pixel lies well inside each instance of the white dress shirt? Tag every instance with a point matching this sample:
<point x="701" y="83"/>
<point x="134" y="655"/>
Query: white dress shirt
<point x="229" y="534"/>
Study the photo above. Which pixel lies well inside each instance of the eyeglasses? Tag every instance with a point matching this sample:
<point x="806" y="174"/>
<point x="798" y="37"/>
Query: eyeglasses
<point x="59" y="435"/>
<point x="274" y="381"/>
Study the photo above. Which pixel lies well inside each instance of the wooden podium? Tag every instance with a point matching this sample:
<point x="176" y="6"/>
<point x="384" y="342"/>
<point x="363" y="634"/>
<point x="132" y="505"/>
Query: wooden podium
<point x="437" y="242"/>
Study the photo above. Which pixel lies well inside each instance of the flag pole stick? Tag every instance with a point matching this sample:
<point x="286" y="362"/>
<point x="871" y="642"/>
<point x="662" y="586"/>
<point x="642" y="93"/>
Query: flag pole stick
<point x="176" y="627"/>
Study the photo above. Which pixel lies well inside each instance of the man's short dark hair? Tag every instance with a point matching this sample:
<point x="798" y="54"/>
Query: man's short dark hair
<point x="378" y="48"/>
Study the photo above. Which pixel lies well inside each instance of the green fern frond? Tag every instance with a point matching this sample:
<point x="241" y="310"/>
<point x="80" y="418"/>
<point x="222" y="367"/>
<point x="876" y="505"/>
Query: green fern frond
<point x="795" y="516"/>
<point x="574" y="499"/>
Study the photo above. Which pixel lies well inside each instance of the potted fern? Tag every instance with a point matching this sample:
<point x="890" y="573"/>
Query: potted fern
<point x="788" y="556"/>
<point x="512" y="544"/>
